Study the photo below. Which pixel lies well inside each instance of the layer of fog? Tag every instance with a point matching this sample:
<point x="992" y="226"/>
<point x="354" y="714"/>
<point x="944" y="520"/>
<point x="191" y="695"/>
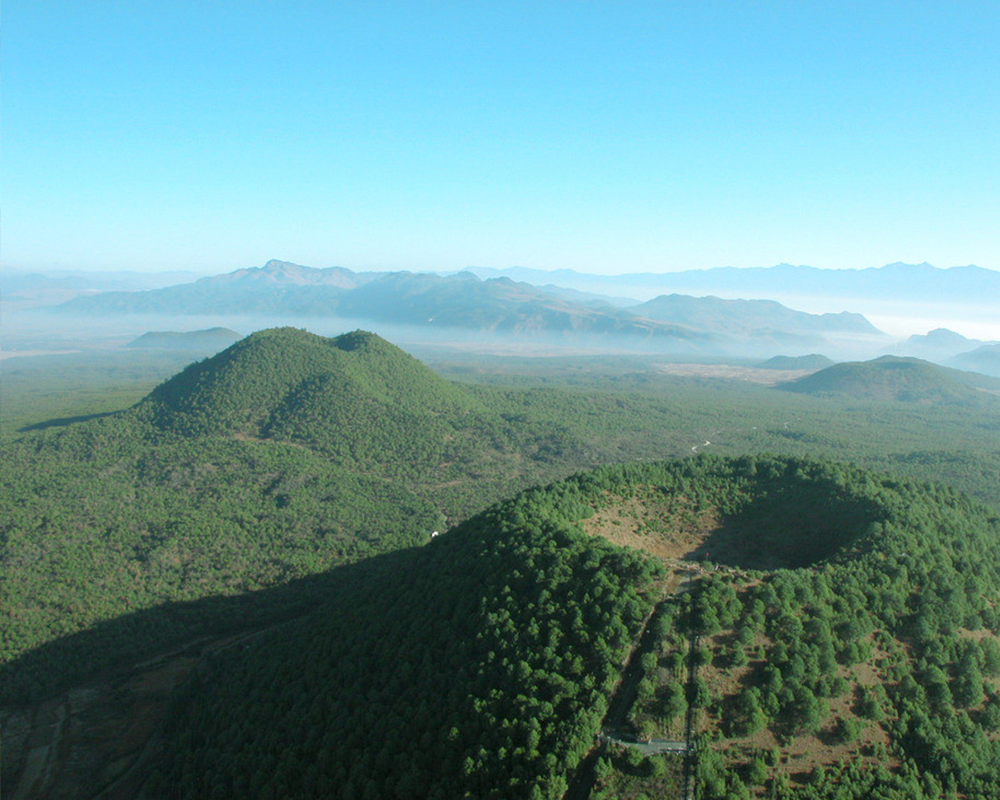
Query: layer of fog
<point x="37" y="331"/>
<point x="25" y="329"/>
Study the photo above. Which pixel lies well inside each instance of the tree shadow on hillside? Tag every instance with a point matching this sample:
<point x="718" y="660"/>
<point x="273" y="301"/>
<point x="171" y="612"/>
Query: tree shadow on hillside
<point x="61" y="422"/>
<point x="117" y="644"/>
<point x="93" y="702"/>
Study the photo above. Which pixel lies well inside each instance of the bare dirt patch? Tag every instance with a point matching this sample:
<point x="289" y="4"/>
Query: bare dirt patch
<point x="803" y="753"/>
<point x="979" y="635"/>
<point x="763" y="528"/>
<point x="671" y="530"/>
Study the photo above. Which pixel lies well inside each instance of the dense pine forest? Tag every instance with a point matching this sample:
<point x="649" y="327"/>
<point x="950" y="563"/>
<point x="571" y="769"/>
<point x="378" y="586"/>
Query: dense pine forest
<point x="482" y="664"/>
<point x="269" y="517"/>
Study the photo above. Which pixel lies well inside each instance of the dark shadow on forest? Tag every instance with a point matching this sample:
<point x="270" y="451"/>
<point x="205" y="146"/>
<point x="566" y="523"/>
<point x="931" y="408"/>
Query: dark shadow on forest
<point x="97" y="700"/>
<point x="115" y="645"/>
<point x="61" y="422"/>
<point x="791" y="528"/>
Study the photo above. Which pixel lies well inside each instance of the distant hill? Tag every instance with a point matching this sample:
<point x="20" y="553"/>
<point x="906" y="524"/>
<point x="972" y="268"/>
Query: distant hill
<point x="749" y="318"/>
<point x="814" y="362"/>
<point x="210" y="340"/>
<point x="938" y="345"/>
<point x="909" y="380"/>
<point x="355" y="398"/>
<point x="278" y="382"/>
<point x="985" y="360"/>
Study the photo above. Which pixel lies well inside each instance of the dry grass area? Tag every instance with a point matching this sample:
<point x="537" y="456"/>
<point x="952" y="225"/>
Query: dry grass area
<point x="765" y="377"/>
<point x="677" y="529"/>
<point x="978" y="636"/>
<point x="668" y="528"/>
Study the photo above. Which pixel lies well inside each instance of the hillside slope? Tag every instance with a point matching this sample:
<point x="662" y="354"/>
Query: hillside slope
<point x="749" y="317"/>
<point x="908" y="380"/>
<point x="985" y="359"/>
<point x="477" y="666"/>
<point x="482" y="665"/>
<point x="278" y="458"/>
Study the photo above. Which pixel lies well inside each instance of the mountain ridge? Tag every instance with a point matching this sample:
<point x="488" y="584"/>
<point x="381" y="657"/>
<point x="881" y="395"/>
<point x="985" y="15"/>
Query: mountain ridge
<point x="492" y="306"/>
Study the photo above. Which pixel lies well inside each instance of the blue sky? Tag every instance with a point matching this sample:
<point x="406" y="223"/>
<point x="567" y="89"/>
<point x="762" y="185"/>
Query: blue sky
<point x="603" y="137"/>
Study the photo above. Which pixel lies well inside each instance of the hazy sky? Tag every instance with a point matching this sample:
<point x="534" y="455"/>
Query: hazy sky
<point x="606" y="137"/>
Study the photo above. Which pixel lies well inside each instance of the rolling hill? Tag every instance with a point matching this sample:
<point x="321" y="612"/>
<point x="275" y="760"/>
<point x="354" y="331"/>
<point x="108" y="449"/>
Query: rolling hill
<point x="750" y="318"/>
<point x="938" y="345"/>
<point x="891" y="378"/>
<point x="985" y="359"/>
<point x="279" y="457"/>
<point x="271" y="378"/>
<point x="485" y="664"/>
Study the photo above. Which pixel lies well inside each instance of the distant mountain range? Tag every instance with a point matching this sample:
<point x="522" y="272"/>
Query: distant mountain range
<point x="277" y="287"/>
<point x="742" y="313"/>
<point x="898" y="281"/>
<point x="463" y="301"/>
